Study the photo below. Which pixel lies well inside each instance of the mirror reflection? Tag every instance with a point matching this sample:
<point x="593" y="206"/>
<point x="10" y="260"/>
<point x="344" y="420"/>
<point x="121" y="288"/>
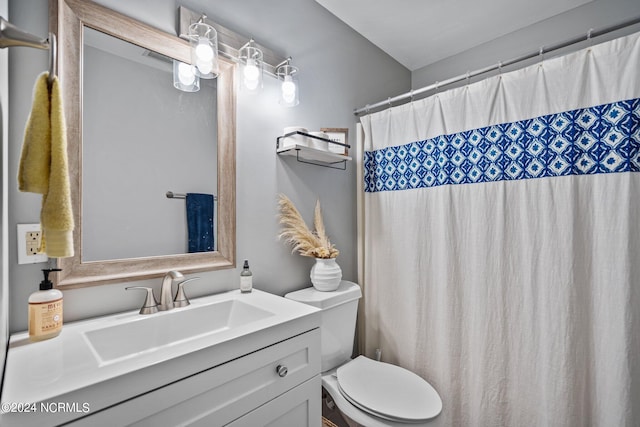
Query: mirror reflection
<point x="141" y="138"/>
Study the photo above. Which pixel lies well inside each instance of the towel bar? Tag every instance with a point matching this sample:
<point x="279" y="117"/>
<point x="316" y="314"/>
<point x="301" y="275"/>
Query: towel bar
<point x="172" y="195"/>
<point x="10" y="35"/>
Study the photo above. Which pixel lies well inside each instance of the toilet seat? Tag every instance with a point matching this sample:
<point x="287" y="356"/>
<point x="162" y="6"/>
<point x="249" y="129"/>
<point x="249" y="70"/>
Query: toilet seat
<point x="387" y="391"/>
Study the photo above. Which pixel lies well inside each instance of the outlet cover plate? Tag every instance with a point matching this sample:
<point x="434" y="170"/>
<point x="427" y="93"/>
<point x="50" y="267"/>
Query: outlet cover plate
<point x="24" y="235"/>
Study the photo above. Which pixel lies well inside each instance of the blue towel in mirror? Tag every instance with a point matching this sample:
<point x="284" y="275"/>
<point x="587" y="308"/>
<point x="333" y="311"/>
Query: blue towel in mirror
<point x="200" y="222"/>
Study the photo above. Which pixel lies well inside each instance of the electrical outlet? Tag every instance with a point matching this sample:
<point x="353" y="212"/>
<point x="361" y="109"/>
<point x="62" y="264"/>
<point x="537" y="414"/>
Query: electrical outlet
<point x="29" y="239"/>
<point x="33" y="242"/>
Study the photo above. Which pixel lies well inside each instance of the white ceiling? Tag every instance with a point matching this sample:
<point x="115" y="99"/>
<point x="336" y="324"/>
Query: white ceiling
<point x="420" y="32"/>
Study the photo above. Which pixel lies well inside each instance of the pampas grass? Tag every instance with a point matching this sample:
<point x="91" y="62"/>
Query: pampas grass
<point x="296" y="233"/>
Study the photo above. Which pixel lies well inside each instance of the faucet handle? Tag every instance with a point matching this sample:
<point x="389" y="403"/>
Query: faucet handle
<point x="150" y="305"/>
<point x="181" y="298"/>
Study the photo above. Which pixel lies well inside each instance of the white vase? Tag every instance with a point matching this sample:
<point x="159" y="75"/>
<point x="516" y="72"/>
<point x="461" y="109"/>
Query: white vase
<point x="326" y="274"/>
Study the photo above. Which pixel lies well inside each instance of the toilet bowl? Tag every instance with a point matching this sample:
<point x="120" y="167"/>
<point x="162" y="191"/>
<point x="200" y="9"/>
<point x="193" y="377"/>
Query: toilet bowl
<point x="367" y="392"/>
<point x="377" y="394"/>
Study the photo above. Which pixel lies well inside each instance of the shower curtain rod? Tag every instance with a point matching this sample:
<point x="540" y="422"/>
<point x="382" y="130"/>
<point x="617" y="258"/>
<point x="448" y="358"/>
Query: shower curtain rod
<point x="590" y="34"/>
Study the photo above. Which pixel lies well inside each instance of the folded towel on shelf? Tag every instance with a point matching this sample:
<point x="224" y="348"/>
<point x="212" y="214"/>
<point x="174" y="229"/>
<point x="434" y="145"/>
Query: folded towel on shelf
<point x="44" y="167"/>
<point x="200" y="222"/>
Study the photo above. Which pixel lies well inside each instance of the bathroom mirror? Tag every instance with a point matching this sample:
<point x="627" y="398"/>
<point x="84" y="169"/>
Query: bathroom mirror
<point x="77" y="21"/>
<point x="141" y="137"/>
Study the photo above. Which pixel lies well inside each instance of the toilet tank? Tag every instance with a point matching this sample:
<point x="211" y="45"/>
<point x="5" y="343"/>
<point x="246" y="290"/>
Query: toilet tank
<point x="338" y="320"/>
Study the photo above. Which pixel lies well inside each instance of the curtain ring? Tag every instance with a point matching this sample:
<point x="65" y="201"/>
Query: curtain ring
<point x="437" y="86"/>
<point x="467" y="77"/>
<point x="366" y="108"/>
<point x="589" y="34"/>
<point x="411" y="95"/>
<point x="500" y="67"/>
<point x="389" y="101"/>
<point x="541" y="54"/>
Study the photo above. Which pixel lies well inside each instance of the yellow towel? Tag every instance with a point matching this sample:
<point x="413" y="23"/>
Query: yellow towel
<point x="35" y="161"/>
<point x="43" y="167"/>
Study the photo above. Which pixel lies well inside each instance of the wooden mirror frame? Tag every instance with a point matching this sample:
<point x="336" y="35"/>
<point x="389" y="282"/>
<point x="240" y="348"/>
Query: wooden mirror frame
<point x="67" y="19"/>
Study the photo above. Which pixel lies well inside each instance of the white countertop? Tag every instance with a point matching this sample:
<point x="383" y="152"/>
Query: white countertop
<point x="65" y="368"/>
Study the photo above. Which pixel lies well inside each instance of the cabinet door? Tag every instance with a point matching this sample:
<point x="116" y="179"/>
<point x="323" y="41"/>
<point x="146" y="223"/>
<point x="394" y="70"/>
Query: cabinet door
<point x="222" y="394"/>
<point x="299" y="407"/>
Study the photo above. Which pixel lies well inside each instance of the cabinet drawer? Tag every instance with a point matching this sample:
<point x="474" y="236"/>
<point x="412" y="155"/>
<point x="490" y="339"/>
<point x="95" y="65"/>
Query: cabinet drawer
<point x="299" y="407"/>
<point x="221" y="394"/>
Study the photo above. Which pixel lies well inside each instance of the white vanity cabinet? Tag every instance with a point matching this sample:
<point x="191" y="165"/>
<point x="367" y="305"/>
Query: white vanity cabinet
<point x="277" y="385"/>
<point x="226" y="359"/>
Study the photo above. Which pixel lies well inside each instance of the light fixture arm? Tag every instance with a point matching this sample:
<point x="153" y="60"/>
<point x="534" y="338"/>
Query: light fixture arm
<point x="252" y="51"/>
<point x="250" y="43"/>
<point x="285" y="62"/>
<point x="285" y="68"/>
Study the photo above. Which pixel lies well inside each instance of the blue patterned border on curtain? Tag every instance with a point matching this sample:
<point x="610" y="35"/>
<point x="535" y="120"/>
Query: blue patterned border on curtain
<point x="599" y="139"/>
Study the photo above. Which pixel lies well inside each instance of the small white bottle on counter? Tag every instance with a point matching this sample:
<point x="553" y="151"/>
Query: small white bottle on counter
<point x="246" y="278"/>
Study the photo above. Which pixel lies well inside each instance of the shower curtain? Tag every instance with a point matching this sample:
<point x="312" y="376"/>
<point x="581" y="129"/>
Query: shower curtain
<point x="500" y="247"/>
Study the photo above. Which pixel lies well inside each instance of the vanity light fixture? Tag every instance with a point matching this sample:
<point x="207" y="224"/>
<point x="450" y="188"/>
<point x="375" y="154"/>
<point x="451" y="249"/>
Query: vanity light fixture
<point x="251" y="66"/>
<point x="184" y="77"/>
<point x="204" y="48"/>
<point x="254" y="59"/>
<point x="289" y="89"/>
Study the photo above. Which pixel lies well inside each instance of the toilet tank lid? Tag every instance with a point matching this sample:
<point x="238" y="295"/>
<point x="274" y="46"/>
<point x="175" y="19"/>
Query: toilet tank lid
<point x="347" y="291"/>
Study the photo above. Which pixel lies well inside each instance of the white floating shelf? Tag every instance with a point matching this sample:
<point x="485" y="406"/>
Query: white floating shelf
<point x="313" y="156"/>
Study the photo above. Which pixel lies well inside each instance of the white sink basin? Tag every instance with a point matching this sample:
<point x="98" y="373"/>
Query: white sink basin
<point x="151" y="332"/>
<point x="110" y="359"/>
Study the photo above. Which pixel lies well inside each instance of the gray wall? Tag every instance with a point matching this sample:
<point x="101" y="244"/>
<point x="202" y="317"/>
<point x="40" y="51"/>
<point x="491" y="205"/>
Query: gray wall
<point x="339" y="70"/>
<point x="597" y="15"/>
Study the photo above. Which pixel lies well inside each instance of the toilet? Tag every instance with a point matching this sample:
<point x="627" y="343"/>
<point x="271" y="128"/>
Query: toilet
<point x="368" y="393"/>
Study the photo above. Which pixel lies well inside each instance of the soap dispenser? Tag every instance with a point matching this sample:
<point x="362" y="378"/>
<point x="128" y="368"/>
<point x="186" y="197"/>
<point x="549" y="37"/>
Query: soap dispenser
<point x="246" y="278"/>
<point x="45" y="310"/>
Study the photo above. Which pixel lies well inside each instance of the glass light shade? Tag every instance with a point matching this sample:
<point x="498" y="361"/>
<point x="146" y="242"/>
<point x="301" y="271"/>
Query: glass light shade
<point x="204" y="49"/>
<point x="184" y="77"/>
<point x="251" y="67"/>
<point x="289" y="89"/>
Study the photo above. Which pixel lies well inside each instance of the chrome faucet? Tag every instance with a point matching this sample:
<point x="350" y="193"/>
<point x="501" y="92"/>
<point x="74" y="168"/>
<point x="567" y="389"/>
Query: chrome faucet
<point x="166" y="297"/>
